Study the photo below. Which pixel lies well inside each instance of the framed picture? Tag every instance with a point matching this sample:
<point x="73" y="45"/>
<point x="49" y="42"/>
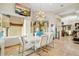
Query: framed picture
<point x="22" y="9"/>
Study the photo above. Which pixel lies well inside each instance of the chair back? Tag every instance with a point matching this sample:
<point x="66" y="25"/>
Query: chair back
<point x="43" y="40"/>
<point x="50" y="38"/>
<point x="22" y="40"/>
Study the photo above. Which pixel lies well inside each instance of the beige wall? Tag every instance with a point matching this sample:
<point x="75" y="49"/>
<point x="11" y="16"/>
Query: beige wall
<point x="14" y="31"/>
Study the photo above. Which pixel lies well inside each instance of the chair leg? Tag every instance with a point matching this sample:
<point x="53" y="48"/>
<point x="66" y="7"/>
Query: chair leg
<point x="37" y="52"/>
<point x="19" y="49"/>
<point x="45" y="50"/>
<point x="53" y="43"/>
<point x="31" y="52"/>
<point x="22" y="51"/>
<point x="51" y="46"/>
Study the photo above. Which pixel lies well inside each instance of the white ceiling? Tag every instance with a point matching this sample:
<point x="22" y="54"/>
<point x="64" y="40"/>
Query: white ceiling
<point x="47" y="6"/>
<point x="56" y="8"/>
<point x="61" y="9"/>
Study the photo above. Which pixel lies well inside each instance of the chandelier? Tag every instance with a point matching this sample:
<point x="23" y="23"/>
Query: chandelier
<point x="40" y="15"/>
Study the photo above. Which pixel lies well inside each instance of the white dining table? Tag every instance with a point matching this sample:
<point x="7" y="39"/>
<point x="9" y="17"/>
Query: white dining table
<point x="2" y="43"/>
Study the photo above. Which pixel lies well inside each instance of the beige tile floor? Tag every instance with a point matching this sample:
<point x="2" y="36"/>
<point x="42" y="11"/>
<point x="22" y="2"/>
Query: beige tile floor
<point x="62" y="47"/>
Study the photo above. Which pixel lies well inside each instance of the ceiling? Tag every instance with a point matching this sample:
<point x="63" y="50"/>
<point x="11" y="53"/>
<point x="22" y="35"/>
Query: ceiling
<point x="59" y="9"/>
<point x="56" y="8"/>
<point x="47" y="6"/>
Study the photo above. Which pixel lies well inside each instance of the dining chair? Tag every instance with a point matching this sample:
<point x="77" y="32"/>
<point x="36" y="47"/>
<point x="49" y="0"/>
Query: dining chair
<point x="50" y="40"/>
<point x="25" y="45"/>
<point x="41" y="44"/>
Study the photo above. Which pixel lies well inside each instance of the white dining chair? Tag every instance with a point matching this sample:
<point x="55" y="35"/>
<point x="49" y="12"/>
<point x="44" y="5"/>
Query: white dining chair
<point x="43" y="40"/>
<point x="25" y="45"/>
<point x="40" y="44"/>
<point x="44" y="43"/>
<point x="50" y="39"/>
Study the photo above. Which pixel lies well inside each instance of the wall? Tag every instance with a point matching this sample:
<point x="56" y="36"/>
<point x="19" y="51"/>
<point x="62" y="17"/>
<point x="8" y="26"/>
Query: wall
<point x="8" y="8"/>
<point x="11" y="30"/>
<point x="26" y="26"/>
<point x="14" y="31"/>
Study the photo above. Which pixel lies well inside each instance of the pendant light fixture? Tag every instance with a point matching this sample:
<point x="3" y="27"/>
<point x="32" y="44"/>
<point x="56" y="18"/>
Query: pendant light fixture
<point x="40" y="15"/>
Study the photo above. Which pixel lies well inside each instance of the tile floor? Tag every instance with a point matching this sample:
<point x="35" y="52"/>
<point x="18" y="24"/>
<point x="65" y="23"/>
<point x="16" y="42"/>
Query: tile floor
<point x="62" y="47"/>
